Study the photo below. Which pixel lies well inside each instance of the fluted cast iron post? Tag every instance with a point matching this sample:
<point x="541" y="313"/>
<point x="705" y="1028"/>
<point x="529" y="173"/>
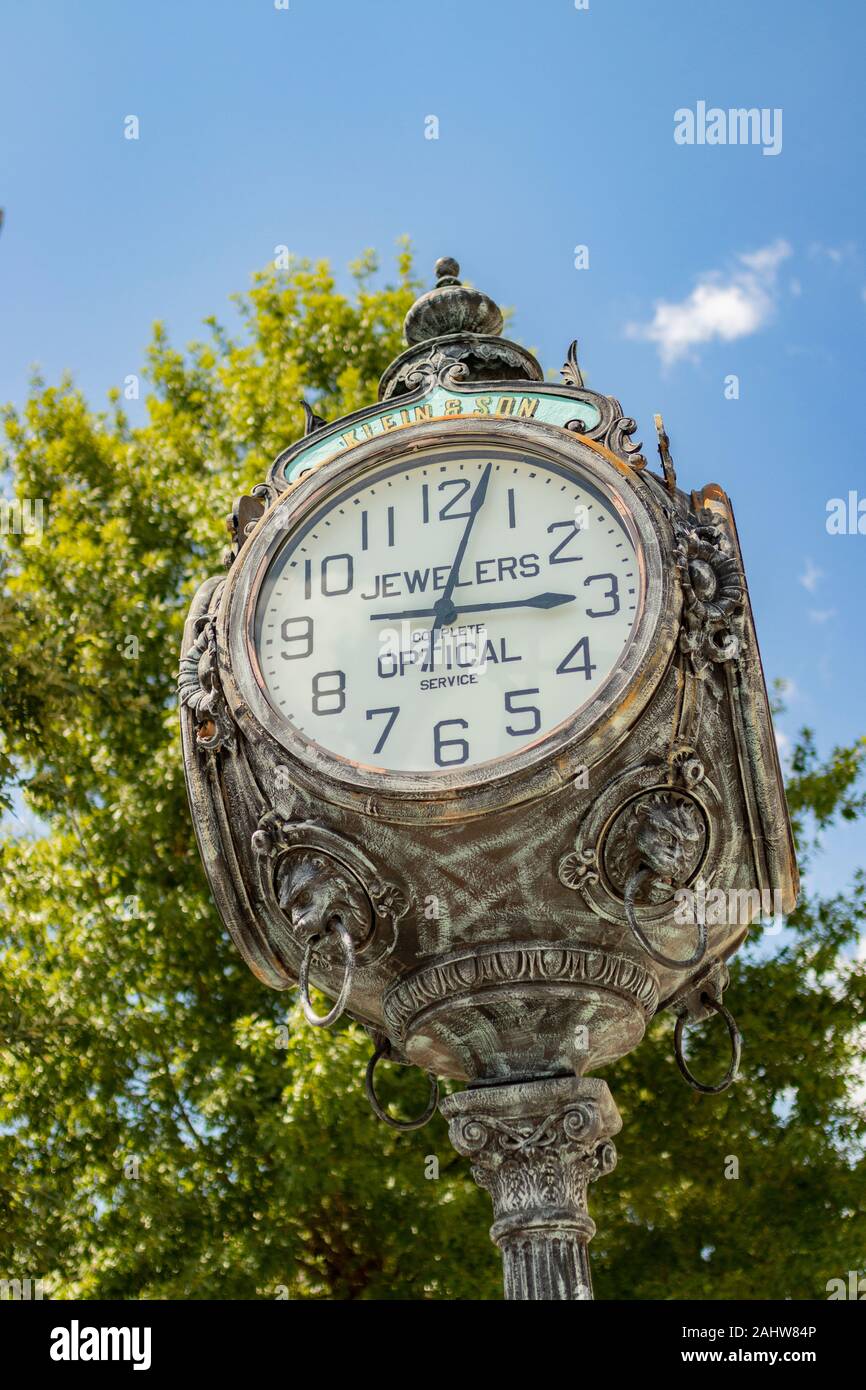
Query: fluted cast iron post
<point x="536" y="1146"/>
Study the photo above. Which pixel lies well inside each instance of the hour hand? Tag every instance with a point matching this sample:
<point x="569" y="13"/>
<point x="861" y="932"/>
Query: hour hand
<point x="547" y="600"/>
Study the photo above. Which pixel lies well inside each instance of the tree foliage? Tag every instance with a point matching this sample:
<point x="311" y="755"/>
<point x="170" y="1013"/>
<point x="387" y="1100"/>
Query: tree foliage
<point x="171" y="1128"/>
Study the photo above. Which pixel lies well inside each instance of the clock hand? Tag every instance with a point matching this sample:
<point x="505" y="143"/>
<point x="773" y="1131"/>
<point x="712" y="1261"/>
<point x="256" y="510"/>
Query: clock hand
<point x="444" y="605"/>
<point x="449" y="614"/>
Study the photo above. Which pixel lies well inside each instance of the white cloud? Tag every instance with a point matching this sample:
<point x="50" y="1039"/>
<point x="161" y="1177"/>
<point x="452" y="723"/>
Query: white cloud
<point x="721" y="306"/>
<point x="822" y="615"/>
<point x="767" y="259"/>
<point x="810" y="576"/>
<point x="837" y="254"/>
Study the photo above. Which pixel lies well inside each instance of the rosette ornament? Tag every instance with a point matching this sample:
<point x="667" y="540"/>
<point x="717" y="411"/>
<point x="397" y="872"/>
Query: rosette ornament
<point x="713" y="595"/>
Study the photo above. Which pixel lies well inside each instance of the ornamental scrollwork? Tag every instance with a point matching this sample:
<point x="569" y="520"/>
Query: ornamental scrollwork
<point x="539" y="1162"/>
<point x="570" y="369"/>
<point x="199" y="690"/>
<point x="576" y="1123"/>
<point x="438" y="368"/>
<point x="455" y="364"/>
<point x="615" y="429"/>
<point x="618" y="439"/>
<point x="578" y="869"/>
<point x="274" y="832"/>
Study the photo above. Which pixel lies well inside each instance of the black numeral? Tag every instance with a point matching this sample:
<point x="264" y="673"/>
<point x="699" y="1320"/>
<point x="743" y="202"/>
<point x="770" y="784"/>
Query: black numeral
<point x="446" y="511"/>
<point x="612" y="594"/>
<point x="392" y="711"/>
<point x="305" y="635"/>
<point x="365" y="528"/>
<point x="586" y="667"/>
<point x="531" y="710"/>
<point x="332" y="586"/>
<point x="440" y="743"/>
<point x="334" y="692"/>
<point x="556" y="557"/>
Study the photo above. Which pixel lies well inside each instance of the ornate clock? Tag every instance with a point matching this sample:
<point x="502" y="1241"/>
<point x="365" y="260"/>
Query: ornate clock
<point x="446" y="614"/>
<point x="478" y="701"/>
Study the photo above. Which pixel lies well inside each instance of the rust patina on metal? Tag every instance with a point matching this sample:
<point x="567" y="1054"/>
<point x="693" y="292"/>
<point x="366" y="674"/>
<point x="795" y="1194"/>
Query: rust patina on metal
<point x="559" y="864"/>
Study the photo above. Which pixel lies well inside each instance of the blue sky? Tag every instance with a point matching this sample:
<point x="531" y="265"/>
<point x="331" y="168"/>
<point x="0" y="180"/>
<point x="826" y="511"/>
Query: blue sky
<point x="305" y="127"/>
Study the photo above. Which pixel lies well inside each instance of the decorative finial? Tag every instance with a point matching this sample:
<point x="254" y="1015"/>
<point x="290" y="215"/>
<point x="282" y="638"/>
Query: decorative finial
<point x="447" y="272"/>
<point x="451" y="307"/>
<point x="458" y="324"/>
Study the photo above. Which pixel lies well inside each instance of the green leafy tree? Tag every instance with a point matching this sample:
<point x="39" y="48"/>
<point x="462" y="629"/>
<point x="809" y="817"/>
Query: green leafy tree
<point x="168" y="1126"/>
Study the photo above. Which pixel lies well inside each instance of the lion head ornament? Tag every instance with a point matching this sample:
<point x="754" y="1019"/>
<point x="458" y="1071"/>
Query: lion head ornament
<point x="315" y="892"/>
<point x="663" y="833"/>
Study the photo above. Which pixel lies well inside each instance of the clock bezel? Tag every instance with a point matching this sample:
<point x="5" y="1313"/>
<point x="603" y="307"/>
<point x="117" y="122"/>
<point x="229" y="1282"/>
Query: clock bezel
<point x="539" y="767"/>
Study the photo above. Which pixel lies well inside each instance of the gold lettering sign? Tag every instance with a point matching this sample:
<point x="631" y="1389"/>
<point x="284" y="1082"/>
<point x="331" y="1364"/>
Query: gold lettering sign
<point x="519" y="407"/>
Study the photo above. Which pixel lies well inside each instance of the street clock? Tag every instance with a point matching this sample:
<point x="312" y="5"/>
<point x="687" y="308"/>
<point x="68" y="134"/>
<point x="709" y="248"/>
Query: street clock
<point x="476" y="710"/>
<point x="443" y="582"/>
<point x="445" y="611"/>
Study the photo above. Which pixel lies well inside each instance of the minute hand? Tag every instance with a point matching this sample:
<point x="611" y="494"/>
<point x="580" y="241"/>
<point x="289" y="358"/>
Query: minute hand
<point x="539" y="601"/>
<point x="444" y="606"/>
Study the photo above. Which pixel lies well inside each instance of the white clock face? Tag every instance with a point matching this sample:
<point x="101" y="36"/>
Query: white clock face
<point x="446" y="610"/>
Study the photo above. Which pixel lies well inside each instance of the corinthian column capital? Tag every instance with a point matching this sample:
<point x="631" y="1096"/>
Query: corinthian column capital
<point x="536" y="1146"/>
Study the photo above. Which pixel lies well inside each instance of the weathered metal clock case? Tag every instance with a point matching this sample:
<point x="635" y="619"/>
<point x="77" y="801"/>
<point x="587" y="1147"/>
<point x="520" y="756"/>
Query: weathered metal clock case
<point x="528" y="943"/>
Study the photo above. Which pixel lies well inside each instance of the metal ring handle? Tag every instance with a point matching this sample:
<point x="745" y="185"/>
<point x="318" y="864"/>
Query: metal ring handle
<point x="630" y="889"/>
<point x="383" y="1049"/>
<point x="736" y="1048"/>
<point x="348" y="945"/>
